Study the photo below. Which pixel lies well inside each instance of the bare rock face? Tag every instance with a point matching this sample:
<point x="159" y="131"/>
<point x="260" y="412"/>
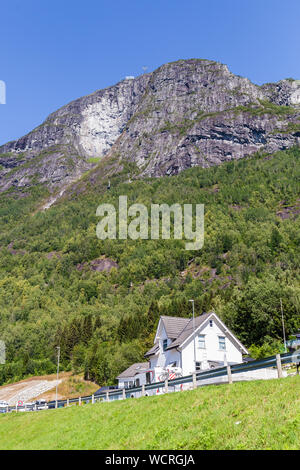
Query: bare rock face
<point x="196" y="112"/>
<point x="284" y="93"/>
<point x="99" y="264"/>
<point x="72" y="139"/>
<point x="186" y="113"/>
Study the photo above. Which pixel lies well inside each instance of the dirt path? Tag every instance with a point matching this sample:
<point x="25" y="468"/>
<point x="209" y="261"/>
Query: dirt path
<point x="44" y="386"/>
<point x="26" y="391"/>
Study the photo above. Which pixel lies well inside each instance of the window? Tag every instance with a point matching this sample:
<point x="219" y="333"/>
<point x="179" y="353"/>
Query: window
<point x="222" y="344"/>
<point x="198" y="365"/>
<point x="201" y="341"/>
<point x="165" y="344"/>
<point x="211" y="324"/>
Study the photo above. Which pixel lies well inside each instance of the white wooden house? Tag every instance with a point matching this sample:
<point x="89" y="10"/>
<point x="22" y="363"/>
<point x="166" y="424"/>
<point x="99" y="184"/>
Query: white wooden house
<point x="182" y="346"/>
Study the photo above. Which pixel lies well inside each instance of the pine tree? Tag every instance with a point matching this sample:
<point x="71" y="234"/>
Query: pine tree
<point x="87" y="329"/>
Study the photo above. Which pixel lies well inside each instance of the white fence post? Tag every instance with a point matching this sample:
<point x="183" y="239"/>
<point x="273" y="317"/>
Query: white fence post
<point x="194" y="380"/>
<point x="124" y="394"/>
<point x="143" y="390"/>
<point x="166" y="386"/>
<point x="93" y="399"/>
<point x="79" y="401"/>
<point x="229" y="374"/>
<point x="279" y="367"/>
<point x="107" y="395"/>
<point x="68" y="401"/>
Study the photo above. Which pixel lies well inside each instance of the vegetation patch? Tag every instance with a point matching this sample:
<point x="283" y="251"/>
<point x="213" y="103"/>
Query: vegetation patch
<point x="105" y="321"/>
<point x="260" y="415"/>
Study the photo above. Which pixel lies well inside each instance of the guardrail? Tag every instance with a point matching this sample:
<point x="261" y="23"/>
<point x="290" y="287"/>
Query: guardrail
<point x="170" y="385"/>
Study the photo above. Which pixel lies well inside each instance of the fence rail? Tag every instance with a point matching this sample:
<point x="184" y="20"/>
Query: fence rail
<point x="170" y="385"/>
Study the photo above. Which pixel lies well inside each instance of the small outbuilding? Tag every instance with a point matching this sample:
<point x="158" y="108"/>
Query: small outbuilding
<point x="134" y="376"/>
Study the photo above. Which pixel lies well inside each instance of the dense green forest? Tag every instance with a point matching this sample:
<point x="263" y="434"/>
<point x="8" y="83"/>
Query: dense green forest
<point x="104" y="321"/>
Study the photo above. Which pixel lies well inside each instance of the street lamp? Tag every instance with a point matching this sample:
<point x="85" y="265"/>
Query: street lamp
<point x="283" y="327"/>
<point x="58" y="356"/>
<point x="193" y="304"/>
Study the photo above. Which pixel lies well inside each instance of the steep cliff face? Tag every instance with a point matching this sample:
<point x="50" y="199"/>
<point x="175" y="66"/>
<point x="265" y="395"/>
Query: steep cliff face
<point x="186" y="113"/>
<point x="196" y="112"/>
<point x="71" y="139"/>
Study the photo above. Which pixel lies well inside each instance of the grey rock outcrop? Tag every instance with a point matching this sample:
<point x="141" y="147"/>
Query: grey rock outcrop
<point x="186" y="113"/>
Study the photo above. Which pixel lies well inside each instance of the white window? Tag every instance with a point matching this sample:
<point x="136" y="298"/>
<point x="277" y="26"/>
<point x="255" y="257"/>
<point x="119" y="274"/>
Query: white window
<point x="198" y="365"/>
<point x="201" y="341"/>
<point x="211" y="323"/>
<point x="165" y="344"/>
<point x="222" y="343"/>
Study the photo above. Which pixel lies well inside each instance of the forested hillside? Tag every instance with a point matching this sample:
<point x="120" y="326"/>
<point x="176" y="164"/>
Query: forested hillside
<point x="52" y="293"/>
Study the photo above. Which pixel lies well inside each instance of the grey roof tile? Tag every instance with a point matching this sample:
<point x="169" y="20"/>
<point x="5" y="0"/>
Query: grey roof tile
<point x="153" y="350"/>
<point x="134" y="369"/>
<point x="174" y="325"/>
<point x="188" y="330"/>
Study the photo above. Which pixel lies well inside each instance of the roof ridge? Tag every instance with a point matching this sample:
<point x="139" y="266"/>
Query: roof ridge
<point x="171" y="316"/>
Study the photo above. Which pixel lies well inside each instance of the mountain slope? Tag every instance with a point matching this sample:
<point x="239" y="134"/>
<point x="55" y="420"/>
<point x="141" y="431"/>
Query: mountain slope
<point x="100" y="300"/>
<point x="184" y="114"/>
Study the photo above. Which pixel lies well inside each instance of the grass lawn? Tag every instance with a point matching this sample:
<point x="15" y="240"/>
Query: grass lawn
<point x="253" y="415"/>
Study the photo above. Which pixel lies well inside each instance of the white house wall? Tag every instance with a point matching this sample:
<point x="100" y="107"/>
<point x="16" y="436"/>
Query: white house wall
<point x="211" y="351"/>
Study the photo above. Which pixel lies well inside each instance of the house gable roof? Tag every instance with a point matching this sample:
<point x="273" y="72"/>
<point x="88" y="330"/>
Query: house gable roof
<point x="200" y="322"/>
<point x="188" y="330"/>
<point x="174" y="325"/>
<point x="181" y="330"/>
<point x="134" y="369"/>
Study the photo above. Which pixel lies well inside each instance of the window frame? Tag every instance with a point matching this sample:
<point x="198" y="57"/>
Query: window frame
<point x="198" y="341"/>
<point x="219" y="339"/>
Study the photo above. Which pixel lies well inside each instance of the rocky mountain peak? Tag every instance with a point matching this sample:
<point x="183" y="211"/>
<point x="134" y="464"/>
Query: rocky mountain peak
<point x="185" y="113"/>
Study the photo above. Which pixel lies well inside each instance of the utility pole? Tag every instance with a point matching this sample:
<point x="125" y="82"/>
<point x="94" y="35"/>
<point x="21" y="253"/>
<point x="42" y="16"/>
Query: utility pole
<point x="58" y="356"/>
<point x="283" y="327"/>
<point x="193" y="304"/>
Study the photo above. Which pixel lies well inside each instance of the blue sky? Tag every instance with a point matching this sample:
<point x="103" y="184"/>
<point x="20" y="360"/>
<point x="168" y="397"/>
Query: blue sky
<point x="55" y="51"/>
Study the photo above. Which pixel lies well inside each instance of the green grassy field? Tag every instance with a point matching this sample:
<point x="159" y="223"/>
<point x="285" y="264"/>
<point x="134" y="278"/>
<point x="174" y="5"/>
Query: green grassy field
<point x="255" y="415"/>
